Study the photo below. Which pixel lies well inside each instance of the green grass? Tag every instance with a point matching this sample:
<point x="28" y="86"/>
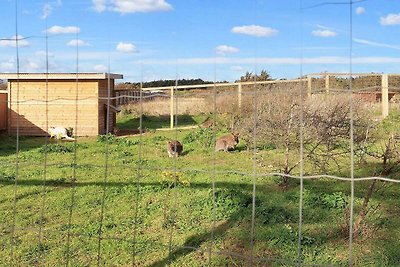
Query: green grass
<point x="167" y="219"/>
<point x="130" y="121"/>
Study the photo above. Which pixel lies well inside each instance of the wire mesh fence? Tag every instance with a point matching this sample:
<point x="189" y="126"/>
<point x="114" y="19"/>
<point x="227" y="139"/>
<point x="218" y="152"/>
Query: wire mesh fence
<point x="313" y="180"/>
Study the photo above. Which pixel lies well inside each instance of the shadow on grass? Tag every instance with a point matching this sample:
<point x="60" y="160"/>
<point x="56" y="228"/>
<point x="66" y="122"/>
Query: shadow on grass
<point x="192" y="244"/>
<point x="8" y="144"/>
<point x="154" y="122"/>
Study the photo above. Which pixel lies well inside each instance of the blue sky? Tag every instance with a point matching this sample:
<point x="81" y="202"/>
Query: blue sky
<point x="221" y="39"/>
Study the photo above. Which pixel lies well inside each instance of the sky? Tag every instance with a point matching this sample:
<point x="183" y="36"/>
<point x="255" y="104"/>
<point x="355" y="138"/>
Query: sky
<point x="209" y="39"/>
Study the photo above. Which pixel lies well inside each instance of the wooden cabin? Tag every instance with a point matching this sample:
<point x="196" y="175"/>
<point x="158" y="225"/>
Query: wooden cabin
<point x="37" y="102"/>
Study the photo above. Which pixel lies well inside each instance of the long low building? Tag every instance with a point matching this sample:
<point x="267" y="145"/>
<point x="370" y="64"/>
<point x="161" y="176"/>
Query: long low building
<point x="38" y="101"/>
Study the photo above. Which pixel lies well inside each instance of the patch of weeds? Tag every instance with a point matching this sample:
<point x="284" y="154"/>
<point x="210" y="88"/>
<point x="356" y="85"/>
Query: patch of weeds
<point x="158" y="138"/>
<point x="229" y="202"/>
<point x="7" y="175"/>
<point x="267" y="147"/>
<point x="127" y="154"/>
<point x="92" y="229"/>
<point x="273" y="214"/>
<point x="203" y="136"/>
<point x="127" y="142"/>
<point x="62" y="180"/>
<point x="33" y="253"/>
<point x="335" y="200"/>
<point x="169" y="220"/>
<point x="170" y="179"/>
<point x="286" y="235"/>
<point x="56" y="148"/>
<point x="107" y="138"/>
<point x="127" y="161"/>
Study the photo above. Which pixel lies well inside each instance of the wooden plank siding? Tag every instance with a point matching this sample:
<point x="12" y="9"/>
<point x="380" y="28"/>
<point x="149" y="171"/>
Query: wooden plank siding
<point x="66" y="101"/>
<point x="102" y="104"/>
<point x="3" y="110"/>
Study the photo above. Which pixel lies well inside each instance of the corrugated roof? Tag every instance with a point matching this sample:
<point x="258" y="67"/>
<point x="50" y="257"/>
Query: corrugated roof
<point x="59" y="76"/>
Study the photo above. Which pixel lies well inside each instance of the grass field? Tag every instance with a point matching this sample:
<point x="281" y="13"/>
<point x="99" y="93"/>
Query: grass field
<point x="135" y="212"/>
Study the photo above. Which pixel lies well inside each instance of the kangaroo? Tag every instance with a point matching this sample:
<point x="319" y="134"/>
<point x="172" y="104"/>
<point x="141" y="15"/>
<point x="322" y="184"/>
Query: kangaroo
<point x="174" y="148"/>
<point x="61" y="133"/>
<point x="227" y="142"/>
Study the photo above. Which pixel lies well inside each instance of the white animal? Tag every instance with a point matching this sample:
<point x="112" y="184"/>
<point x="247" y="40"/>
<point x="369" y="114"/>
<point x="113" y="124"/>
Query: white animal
<point x="61" y="133"/>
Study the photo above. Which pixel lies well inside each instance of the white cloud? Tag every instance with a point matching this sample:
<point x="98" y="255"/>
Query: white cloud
<point x="63" y="30"/>
<point x="30" y="65"/>
<point x="225" y="49"/>
<point x="371" y="43"/>
<point x="255" y="30"/>
<point x="47" y="8"/>
<point x="360" y="10"/>
<point x="11" y="42"/>
<point x="237" y="68"/>
<point x="77" y="42"/>
<point x="131" y="6"/>
<point x="126" y="47"/>
<point x="7" y="66"/>
<point x="324" y="33"/>
<point x="100" y="68"/>
<point x="99" y="5"/>
<point x="391" y="19"/>
<point x="275" y="61"/>
<point x="42" y="53"/>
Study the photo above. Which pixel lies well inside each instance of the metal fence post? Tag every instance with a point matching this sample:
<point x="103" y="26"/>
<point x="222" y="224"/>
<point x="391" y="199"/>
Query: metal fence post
<point x="172" y="108"/>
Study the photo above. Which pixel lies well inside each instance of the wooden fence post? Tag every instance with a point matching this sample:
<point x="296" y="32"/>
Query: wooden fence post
<point x="327" y="85"/>
<point x="172" y="108"/>
<point x="240" y="94"/>
<point x="309" y="86"/>
<point x="385" y="95"/>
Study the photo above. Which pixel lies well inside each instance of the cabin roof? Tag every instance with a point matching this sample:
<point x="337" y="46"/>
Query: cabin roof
<point x="59" y="76"/>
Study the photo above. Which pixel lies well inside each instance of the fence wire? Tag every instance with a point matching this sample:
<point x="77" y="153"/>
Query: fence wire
<point x="171" y="209"/>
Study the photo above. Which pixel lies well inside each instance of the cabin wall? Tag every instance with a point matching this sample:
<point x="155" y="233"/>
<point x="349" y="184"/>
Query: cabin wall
<point x="69" y="104"/>
<point x="102" y="106"/>
<point x="3" y="110"/>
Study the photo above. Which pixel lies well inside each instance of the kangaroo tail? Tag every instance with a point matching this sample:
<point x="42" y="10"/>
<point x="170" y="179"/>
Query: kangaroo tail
<point x="69" y="138"/>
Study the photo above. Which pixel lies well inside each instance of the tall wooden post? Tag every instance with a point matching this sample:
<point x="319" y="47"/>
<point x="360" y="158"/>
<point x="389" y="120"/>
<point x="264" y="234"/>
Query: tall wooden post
<point x="172" y="108"/>
<point x="309" y="86"/>
<point x="385" y="95"/>
<point x="327" y="85"/>
<point x="240" y="95"/>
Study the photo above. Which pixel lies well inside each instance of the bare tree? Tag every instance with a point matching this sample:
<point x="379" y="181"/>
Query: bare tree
<point x="383" y="147"/>
<point x="325" y="124"/>
<point x="3" y="85"/>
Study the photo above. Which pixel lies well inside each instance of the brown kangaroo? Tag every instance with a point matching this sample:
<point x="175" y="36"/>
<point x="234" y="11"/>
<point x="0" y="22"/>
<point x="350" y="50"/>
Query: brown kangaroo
<point x="174" y="148"/>
<point x="227" y="142"/>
